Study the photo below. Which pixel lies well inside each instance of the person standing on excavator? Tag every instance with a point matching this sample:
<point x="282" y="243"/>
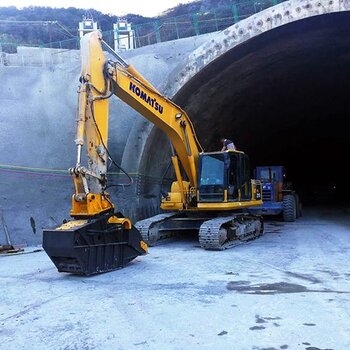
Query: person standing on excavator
<point x="227" y="144"/>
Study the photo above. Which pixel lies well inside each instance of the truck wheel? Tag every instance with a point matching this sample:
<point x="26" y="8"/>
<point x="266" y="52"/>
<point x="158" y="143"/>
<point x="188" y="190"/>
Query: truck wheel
<point x="289" y="208"/>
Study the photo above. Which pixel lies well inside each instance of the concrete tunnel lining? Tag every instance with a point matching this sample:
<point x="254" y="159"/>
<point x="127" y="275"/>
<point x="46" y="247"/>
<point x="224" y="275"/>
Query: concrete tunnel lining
<point x="282" y="96"/>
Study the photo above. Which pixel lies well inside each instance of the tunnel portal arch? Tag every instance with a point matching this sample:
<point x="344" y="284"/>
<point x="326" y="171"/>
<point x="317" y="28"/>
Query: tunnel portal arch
<point x="246" y="82"/>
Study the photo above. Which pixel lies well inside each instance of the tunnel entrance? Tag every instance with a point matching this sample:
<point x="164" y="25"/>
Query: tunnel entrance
<point x="283" y="97"/>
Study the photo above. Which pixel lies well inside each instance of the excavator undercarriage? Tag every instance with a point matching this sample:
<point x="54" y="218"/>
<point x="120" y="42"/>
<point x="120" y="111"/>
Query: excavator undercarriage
<point x="214" y="232"/>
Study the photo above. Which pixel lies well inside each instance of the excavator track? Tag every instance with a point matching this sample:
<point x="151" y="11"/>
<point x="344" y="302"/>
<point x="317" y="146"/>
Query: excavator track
<point x="218" y="233"/>
<point x="149" y="232"/>
<point x="226" y="232"/>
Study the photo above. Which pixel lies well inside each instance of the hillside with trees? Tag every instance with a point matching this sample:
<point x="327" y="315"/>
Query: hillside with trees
<point x="18" y="25"/>
<point x="13" y="28"/>
<point x="50" y="27"/>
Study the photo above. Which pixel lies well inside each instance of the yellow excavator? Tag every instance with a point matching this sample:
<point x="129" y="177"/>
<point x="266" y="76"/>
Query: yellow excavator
<point x="208" y="196"/>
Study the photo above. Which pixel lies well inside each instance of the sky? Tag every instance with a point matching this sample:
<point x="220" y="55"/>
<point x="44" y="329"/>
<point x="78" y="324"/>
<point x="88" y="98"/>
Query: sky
<point x="146" y="8"/>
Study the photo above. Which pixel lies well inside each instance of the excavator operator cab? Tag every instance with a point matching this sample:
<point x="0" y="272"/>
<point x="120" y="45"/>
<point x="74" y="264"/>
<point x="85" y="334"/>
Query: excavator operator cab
<point x="224" y="177"/>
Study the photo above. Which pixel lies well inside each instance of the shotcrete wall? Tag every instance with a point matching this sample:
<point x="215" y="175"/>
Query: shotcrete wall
<point x="37" y="125"/>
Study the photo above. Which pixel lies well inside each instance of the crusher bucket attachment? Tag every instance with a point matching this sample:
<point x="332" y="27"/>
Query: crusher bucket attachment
<point x="92" y="246"/>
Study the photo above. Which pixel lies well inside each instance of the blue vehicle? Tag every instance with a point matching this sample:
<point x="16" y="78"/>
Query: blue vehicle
<point x="277" y="194"/>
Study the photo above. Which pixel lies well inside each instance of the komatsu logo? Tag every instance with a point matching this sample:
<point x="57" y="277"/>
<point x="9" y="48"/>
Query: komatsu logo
<point x="151" y="101"/>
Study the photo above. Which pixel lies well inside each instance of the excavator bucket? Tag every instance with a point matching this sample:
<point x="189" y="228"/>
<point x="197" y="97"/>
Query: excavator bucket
<point x="93" y="246"/>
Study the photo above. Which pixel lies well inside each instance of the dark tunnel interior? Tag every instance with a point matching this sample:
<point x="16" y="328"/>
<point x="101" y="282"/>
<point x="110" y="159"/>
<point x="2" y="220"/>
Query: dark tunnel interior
<point x="283" y="97"/>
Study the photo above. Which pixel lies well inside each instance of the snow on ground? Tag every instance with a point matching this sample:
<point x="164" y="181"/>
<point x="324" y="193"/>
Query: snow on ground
<point x="287" y="290"/>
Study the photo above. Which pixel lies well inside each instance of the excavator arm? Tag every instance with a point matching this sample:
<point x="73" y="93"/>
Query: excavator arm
<point x="90" y="198"/>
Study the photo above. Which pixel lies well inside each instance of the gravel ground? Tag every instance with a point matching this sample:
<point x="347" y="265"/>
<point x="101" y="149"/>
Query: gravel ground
<point x="287" y="290"/>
